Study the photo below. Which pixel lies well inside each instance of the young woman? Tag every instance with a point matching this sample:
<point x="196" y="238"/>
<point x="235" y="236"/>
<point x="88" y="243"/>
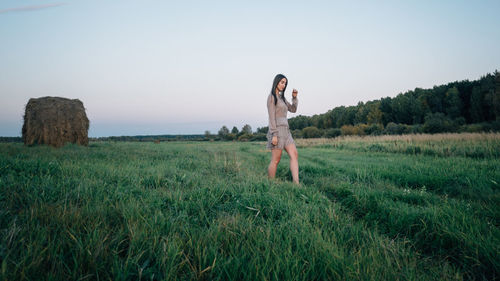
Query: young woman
<point x="278" y="135"/>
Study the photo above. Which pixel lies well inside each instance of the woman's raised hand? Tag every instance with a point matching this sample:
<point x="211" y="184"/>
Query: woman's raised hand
<point x="294" y="93"/>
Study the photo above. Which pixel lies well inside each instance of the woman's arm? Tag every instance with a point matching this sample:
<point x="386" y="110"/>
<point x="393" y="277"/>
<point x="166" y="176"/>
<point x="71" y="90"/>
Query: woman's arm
<point x="271" y="109"/>
<point x="293" y="107"/>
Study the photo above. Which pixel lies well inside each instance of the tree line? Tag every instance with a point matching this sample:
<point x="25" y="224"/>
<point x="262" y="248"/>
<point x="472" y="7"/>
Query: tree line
<point x="246" y="134"/>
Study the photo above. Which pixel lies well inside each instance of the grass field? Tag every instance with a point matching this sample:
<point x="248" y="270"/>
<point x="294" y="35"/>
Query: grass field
<point x="378" y="208"/>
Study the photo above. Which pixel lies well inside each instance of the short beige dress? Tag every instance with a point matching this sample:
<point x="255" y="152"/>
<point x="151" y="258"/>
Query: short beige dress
<point x="278" y="123"/>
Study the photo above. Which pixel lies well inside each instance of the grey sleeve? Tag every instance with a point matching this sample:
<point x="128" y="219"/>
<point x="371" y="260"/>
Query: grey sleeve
<point x="293" y="107"/>
<point x="271" y="109"/>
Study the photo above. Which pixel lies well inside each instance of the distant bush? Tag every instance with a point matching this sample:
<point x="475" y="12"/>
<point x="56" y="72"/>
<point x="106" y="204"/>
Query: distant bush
<point x="244" y="137"/>
<point x="459" y="121"/>
<point x="374" y="129"/>
<point x="437" y="123"/>
<point x="416" y="129"/>
<point x="471" y="128"/>
<point x="11" y="139"/>
<point x="230" y="136"/>
<point x="480" y="127"/>
<point x="397" y="129"/>
<point x="332" y="133"/>
<point x="360" y="129"/>
<point x="347" y="130"/>
<point x="258" y="137"/>
<point x="297" y="133"/>
<point x="311" y="132"/>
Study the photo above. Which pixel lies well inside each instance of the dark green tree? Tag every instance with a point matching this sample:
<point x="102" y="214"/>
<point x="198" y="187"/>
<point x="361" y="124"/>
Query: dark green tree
<point x="496" y="97"/>
<point x="361" y="113"/>
<point x="246" y="129"/>
<point x="299" y="122"/>
<point x="453" y="103"/>
<point x="476" y="105"/>
<point x="311" y="132"/>
<point x="437" y="122"/>
<point x="386" y="108"/>
<point x="374" y="115"/>
<point x="207" y="134"/>
<point x="223" y="132"/>
<point x="262" y="130"/>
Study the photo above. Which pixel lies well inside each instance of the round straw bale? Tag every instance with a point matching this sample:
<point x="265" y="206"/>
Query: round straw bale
<point x="55" y="121"/>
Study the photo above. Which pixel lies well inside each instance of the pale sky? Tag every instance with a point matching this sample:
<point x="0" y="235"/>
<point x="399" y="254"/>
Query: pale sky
<point x="183" y="67"/>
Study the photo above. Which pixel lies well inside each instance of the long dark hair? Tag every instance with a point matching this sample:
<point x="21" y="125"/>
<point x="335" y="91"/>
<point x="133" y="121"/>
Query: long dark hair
<point x="277" y="79"/>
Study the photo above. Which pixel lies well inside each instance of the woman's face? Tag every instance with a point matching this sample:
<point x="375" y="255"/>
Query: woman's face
<point x="281" y="85"/>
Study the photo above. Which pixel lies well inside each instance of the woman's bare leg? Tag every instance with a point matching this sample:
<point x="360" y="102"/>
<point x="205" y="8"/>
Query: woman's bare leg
<point x="275" y="159"/>
<point x="294" y="161"/>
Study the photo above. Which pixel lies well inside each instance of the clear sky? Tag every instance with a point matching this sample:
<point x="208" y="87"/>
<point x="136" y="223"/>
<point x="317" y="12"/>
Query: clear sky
<point x="183" y="67"/>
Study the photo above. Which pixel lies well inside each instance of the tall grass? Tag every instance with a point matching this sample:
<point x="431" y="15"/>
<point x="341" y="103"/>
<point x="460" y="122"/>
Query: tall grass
<point x="473" y="145"/>
<point x="206" y="211"/>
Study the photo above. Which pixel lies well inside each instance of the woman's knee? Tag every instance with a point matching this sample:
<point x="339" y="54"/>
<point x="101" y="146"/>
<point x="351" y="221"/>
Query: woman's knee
<point x="275" y="161"/>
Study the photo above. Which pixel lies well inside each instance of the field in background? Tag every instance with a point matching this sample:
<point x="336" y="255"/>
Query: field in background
<point x="475" y="145"/>
<point x="375" y="208"/>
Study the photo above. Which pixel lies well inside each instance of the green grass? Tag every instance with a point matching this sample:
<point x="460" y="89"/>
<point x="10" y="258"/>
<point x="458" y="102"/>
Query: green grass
<point x="206" y="211"/>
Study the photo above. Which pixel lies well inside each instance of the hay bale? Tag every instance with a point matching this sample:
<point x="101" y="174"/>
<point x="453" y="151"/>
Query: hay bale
<point x="55" y="121"/>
